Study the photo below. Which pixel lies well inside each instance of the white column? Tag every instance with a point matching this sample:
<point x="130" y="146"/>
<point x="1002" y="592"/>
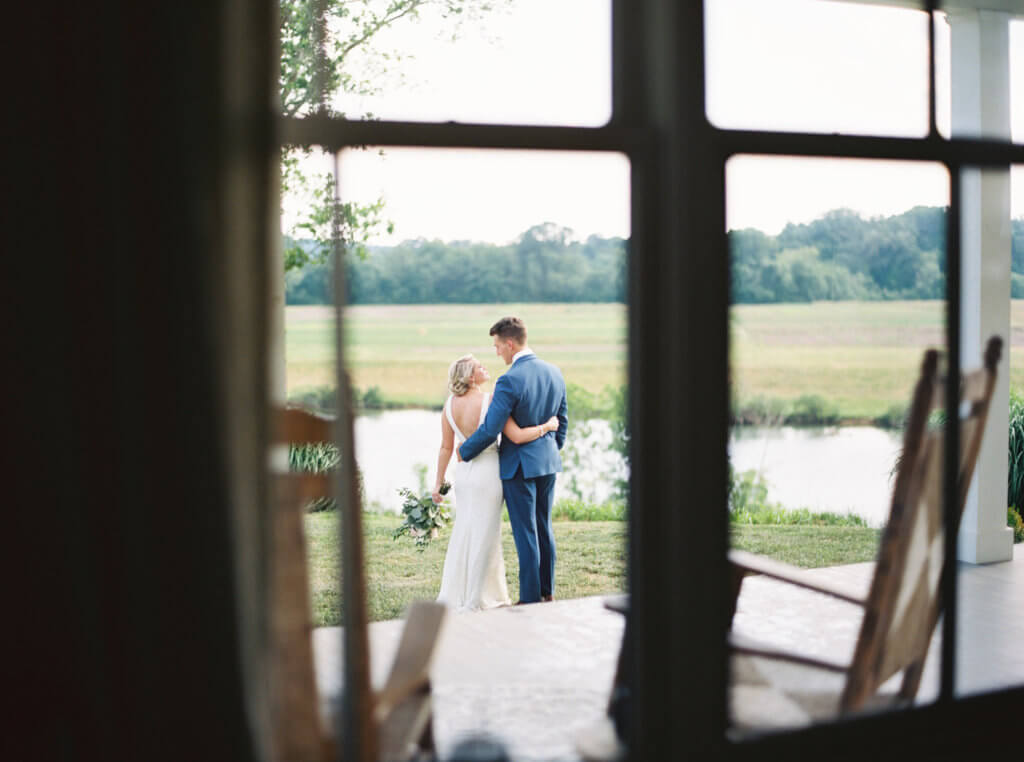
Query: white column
<point x="981" y="108"/>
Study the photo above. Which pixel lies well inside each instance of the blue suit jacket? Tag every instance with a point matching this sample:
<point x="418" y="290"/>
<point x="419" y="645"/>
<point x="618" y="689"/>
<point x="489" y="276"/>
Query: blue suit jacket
<point x="531" y="391"/>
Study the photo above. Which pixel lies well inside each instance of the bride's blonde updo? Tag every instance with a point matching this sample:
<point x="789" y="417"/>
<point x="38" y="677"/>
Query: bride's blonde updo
<point x="460" y="375"/>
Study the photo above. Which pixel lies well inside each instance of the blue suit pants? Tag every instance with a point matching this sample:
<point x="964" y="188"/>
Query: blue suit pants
<point x="529" y="503"/>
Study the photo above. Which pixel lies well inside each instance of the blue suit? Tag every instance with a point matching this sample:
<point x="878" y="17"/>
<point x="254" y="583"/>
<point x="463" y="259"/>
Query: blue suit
<point x="531" y="391"/>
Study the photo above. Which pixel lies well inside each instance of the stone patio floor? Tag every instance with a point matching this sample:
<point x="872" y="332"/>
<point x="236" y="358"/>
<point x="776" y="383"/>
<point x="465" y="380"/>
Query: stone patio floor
<point x="535" y="677"/>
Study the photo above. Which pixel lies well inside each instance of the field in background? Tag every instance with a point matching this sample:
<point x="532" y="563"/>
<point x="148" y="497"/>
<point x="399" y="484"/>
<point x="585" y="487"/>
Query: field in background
<point x="861" y="356"/>
<point x="405" y="350"/>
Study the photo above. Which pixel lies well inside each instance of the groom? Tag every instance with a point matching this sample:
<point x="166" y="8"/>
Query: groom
<point x="531" y="391"/>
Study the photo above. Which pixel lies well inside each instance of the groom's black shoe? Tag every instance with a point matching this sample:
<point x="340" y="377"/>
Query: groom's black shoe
<point x="546" y="598"/>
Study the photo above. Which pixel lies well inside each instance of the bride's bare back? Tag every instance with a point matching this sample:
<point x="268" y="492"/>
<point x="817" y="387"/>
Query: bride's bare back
<point x="466" y="411"/>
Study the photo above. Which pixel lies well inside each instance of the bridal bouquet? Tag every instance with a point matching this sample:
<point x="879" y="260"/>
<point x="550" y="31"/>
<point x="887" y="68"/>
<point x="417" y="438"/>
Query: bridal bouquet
<point x="422" y="516"/>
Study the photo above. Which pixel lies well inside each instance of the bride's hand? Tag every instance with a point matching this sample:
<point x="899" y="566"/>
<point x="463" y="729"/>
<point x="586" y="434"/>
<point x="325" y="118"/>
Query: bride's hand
<point x="552" y="424"/>
<point x="437" y="496"/>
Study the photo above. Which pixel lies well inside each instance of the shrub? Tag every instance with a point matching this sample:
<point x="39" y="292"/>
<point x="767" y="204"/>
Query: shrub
<point x="371" y="398"/>
<point x="569" y="509"/>
<point x="1015" y="481"/>
<point x="811" y="409"/>
<point x="583" y="404"/>
<point x="747" y="493"/>
<point x="1014" y="521"/>
<point x="808" y="410"/>
<point x="314" y="457"/>
<point x="318" y="458"/>
<point x="893" y="418"/>
<point x="760" y="411"/>
<point x="323" y="399"/>
<point x="585" y="407"/>
<point x="798" y="516"/>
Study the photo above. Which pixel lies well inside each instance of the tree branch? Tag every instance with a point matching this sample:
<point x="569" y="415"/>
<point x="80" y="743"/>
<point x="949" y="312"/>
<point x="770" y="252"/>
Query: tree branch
<point x="381" y="23"/>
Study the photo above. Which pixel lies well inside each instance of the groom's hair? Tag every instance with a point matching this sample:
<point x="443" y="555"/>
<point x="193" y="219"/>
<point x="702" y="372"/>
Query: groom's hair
<point x="510" y="328"/>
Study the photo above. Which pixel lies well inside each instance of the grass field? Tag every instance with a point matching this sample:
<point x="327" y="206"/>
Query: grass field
<point x="861" y="356"/>
<point x="406" y="350"/>
<point x="591" y="559"/>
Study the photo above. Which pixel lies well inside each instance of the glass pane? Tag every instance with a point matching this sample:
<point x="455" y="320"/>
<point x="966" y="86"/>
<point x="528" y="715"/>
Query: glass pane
<point x="943" y="75"/>
<point x="1017" y="79"/>
<point x="813" y="66"/>
<point x="523" y="62"/>
<point x="469" y="237"/>
<point x="838" y="278"/>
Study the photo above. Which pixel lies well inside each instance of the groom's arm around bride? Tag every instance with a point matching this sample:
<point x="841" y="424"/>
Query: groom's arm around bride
<point x="531" y="392"/>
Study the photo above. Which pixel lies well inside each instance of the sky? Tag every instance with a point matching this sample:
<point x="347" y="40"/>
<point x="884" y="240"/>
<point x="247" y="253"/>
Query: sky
<point x="789" y="64"/>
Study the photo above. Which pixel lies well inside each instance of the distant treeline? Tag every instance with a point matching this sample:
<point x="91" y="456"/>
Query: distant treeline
<point x="844" y="256"/>
<point x="839" y="256"/>
<point x="543" y="265"/>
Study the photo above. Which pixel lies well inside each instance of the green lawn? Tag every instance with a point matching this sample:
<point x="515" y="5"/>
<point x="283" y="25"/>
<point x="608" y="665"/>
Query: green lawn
<point x="591" y="559"/>
<point x="809" y="546"/>
<point x="862" y="356"/>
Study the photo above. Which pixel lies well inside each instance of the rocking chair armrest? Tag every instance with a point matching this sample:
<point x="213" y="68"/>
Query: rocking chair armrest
<point x="750" y="647"/>
<point x="410" y="671"/>
<point x="618" y="603"/>
<point x="751" y="563"/>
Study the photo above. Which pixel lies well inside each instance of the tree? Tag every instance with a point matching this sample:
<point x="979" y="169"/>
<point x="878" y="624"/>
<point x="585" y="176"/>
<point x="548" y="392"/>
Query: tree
<point x="534" y="250"/>
<point x="1017" y="246"/>
<point x="327" y="48"/>
<point x="843" y="256"/>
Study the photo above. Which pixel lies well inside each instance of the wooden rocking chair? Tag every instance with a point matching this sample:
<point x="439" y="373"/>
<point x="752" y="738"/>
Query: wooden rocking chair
<point x="774" y="688"/>
<point x="402" y="709"/>
<point x="901" y="609"/>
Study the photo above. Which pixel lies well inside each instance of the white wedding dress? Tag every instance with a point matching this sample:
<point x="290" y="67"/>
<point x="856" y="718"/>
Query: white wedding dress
<point x="474" y="567"/>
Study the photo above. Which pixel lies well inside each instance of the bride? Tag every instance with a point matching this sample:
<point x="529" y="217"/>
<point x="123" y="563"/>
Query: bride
<point x="474" y="568"/>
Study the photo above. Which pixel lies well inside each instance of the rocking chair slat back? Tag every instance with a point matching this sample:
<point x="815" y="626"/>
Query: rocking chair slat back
<point x="904" y="602"/>
<point x="296" y="730"/>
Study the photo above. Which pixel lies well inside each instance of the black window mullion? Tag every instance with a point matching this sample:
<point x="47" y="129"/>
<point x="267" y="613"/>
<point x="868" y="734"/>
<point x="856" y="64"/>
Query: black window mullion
<point x="951" y="465"/>
<point x="336" y="133"/>
<point x="964" y="151"/>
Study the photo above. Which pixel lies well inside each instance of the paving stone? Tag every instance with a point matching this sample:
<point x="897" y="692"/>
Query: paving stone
<point x="532" y="677"/>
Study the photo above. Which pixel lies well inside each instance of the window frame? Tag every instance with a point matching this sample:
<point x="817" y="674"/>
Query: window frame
<point x="679" y="300"/>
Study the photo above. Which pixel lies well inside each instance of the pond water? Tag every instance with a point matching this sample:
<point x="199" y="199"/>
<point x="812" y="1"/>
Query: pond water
<point x="841" y="469"/>
<point x="391" y="444"/>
